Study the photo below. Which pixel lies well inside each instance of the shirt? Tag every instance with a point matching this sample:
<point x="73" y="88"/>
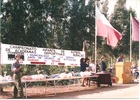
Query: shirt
<point x="119" y="60"/>
<point x="15" y="66"/>
<point x="83" y="66"/>
<point x="93" y="67"/>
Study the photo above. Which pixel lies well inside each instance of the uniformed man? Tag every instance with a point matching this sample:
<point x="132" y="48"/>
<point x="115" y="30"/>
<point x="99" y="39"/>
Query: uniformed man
<point x="17" y="74"/>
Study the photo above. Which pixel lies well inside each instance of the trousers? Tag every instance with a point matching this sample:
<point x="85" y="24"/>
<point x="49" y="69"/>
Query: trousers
<point x="18" y="87"/>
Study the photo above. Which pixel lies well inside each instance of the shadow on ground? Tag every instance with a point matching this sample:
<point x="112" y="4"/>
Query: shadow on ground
<point x="69" y="94"/>
<point x="74" y="94"/>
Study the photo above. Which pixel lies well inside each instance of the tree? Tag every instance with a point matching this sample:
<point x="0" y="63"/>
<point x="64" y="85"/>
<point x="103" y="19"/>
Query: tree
<point x="81" y="24"/>
<point x="22" y="23"/>
<point x="103" y="48"/>
<point x="120" y="20"/>
<point x="105" y="8"/>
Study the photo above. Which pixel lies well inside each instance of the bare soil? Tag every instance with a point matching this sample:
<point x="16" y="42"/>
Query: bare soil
<point x="71" y="91"/>
<point x="45" y="91"/>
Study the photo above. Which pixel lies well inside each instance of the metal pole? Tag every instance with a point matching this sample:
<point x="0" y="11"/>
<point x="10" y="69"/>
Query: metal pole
<point x="0" y="39"/>
<point x="139" y="44"/>
<point x="130" y="37"/>
<point x="138" y="7"/>
<point x="54" y="87"/>
<point x="79" y="84"/>
<point x="1" y="89"/>
<point x="95" y="33"/>
<point x="26" y="89"/>
<point x="84" y="44"/>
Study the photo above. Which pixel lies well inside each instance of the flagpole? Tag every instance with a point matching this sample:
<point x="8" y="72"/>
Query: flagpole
<point x="1" y="89"/>
<point x="95" y="35"/>
<point x="139" y="37"/>
<point x="130" y="37"/>
<point x="0" y="40"/>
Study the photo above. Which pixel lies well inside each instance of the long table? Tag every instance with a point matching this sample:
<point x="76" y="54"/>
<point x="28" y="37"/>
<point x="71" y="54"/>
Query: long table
<point x="54" y="80"/>
<point x="6" y="82"/>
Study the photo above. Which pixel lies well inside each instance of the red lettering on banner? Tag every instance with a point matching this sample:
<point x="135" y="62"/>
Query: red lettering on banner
<point x="32" y="59"/>
<point x="55" y="60"/>
<point x="73" y="64"/>
<point x="62" y="64"/>
<point x="37" y="62"/>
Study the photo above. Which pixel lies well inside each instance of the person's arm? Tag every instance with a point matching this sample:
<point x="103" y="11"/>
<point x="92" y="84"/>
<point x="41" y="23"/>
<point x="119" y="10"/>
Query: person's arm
<point x="117" y="60"/>
<point x="15" y="69"/>
<point x="101" y="64"/>
<point x="105" y="65"/>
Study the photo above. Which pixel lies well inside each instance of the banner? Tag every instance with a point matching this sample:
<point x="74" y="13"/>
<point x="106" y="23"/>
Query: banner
<point x="35" y="55"/>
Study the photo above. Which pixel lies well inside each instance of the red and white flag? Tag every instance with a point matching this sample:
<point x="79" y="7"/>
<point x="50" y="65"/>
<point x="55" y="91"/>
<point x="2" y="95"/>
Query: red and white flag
<point x="135" y="29"/>
<point x="105" y="29"/>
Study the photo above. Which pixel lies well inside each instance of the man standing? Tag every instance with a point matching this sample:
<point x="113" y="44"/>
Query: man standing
<point x="17" y="73"/>
<point x="120" y="58"/>
<point x="103" y="64"/>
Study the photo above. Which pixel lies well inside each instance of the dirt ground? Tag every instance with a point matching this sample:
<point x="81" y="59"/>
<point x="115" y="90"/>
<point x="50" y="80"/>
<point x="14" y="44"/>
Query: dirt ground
<point x="71" y="92"/>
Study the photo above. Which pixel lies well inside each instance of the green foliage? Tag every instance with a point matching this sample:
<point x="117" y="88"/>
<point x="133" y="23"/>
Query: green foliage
<point x="49" y="23"/>
<point x="6" y="68"/>
<point x="45" y="69"/>
<point x="120" y="20"/>
<point x="105" y="8"/>
<point x="63" y="24"/>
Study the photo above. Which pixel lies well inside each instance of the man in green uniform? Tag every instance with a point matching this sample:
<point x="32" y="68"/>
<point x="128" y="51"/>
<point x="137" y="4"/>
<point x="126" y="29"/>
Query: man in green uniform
<point x="17" y="73"/>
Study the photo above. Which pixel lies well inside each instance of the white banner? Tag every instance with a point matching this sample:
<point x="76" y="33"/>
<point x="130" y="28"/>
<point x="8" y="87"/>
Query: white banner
<point x="35" y="55"/>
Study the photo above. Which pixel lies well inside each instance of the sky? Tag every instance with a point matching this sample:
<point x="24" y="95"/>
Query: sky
<point x="129" y="3"/>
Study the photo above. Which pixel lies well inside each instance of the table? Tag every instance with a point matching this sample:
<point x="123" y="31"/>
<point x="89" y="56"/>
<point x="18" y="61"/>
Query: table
<point x="92" y="78"/>
<point x="5" y="83"/>
<point x="54" y="80"/>
<point x="104" y="78"/>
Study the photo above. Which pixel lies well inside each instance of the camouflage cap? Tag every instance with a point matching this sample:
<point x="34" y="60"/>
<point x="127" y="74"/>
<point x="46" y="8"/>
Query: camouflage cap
<point x="17" y="55"/>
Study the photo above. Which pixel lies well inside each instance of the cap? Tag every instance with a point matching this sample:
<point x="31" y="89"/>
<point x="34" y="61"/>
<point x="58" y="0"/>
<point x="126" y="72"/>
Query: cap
<point x="17" y="55"/>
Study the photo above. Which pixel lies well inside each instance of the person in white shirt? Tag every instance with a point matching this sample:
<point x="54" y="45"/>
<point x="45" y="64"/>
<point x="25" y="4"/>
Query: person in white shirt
<point x="93" y="66"/>
<point x="135" y="71"/>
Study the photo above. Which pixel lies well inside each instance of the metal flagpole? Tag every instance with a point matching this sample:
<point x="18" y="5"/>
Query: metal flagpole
<point x="1" y="89"/>
<point x="139" y="42"/>
<point x="130" y="37"/>
<point x="95" y="34"/>
<point x="0" y="40"/>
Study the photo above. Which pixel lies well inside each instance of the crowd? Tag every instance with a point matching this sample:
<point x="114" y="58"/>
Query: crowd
<point x="85" y="65"/>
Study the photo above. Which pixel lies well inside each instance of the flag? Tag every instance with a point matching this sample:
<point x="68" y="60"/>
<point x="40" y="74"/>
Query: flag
<point x="105" y="29"/>
<point x="135" y="29"/>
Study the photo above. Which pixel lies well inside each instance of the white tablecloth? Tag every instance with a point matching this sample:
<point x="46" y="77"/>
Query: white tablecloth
<point x="5" y="82"/>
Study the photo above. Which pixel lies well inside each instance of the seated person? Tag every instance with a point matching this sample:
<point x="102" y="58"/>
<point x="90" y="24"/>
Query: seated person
<point x="135" y="71"/>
